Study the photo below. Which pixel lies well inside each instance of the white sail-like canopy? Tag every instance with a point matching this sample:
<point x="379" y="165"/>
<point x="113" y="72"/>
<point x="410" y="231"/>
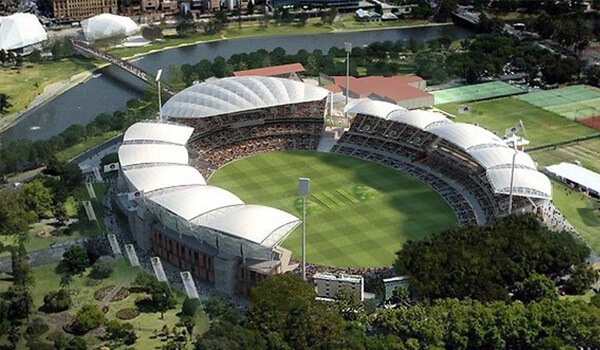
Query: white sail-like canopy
<point x="107" y="25"/>
<point x="20" y="30"/>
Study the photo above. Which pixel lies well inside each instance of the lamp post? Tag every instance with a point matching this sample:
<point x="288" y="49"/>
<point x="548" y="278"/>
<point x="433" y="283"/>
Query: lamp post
<point x="158" y="74"/>
<point x="303" y="188"/>
<point x="512" y="179"/>
<point x="348" y="48"/>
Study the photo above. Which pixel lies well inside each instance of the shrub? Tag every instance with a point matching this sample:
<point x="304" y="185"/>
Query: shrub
<point x="121" y="333"/>
<point x="190" y="306"/>
<point x="127" y="314"/>
<point x="75" y="259"/>
<point x="88" y="318"/>
<point x="101" y="270"/>
<point x="35" y="328"/>
<point x="57" y="301"/>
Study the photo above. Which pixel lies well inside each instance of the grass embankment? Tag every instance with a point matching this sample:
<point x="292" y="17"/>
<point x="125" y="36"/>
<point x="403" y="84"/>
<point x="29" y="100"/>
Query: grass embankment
<point x="83" y="290"/>
<point x="255" y="28"/>
<point x="42" y="236"/>
<point x="359" y="213"/>
<point x="542" y="126"/>
<point x="88" y="143"/>
<point x="24" y="84"/>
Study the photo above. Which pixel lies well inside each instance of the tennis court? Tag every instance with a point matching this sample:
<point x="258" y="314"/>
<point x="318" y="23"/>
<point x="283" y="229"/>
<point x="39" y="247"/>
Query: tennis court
<point x="573" y="102"/>
<point x="476" y="92"/>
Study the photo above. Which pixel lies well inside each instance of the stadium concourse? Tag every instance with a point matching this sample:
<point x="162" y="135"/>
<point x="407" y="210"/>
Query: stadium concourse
<point x="211" y="232"/>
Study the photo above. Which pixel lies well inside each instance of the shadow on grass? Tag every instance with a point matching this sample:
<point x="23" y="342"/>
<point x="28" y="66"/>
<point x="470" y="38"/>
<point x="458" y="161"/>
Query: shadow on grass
<point x="588" y="217"/>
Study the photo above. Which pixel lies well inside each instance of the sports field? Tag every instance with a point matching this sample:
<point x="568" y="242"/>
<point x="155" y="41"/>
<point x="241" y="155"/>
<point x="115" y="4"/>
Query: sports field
<point x="587" y="152"/>
<point x="358" y="213"/>
<point x="476" y="92"/>
<point x="573" y="102"/>
<point x="541" y="126"/>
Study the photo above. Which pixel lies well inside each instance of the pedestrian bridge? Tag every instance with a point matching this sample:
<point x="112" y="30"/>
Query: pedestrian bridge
<point x="90" y="50"/>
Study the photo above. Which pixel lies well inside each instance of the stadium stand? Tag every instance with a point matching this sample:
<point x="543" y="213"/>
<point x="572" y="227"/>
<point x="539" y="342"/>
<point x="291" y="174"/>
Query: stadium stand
<point x="468" y="165"/>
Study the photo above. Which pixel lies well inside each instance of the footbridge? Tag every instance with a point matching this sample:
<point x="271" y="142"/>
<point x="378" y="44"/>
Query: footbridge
<point x="90" y="50"/>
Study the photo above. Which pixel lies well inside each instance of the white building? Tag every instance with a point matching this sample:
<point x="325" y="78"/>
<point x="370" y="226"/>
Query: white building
<point x="328" y="285"/>
<point x="21" y="31"/>
<point x="107" y="25"/>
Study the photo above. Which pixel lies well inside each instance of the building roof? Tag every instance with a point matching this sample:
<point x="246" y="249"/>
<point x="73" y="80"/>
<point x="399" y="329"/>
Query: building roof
<point x="527" y="182"/>
<point x="396" y="88"/>
<point x="191" y="202"/>
<point x="154" y="178"/>
<point x="135" y="154"/>
<point x="20" y="30"/>
<point x="466" y="136"/>
<point x="158" y="132"/>
<point x="239" y="94"/>
<point x="577" y="174"/>
<point x="256" y="223"/>
<point x="418" y="118"/>
<point x="374" y="108"/>
<point x="333" y="88"/>
<point x="272" y="71"/>
<point x="107" y="25"/>
<point x="501" y="157"/>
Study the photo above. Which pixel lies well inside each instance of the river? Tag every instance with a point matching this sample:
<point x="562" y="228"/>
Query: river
<point x="113" y="87"/>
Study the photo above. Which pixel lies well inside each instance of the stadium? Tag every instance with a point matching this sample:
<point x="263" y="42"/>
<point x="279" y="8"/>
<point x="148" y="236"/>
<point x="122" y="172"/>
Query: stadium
<point x="211" y="232"/>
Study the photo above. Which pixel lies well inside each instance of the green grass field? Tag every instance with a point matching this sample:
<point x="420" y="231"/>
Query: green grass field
<point x="587" y="152"/>
<point x="541" y="126"/>
<point x="476" y="92"/>
<point x="358" y="214"/>
<point x="573" y="102"/>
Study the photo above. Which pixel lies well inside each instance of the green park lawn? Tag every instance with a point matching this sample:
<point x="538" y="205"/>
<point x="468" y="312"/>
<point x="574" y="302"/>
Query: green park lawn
<point x="83" y="289"/>
<point x="541" y="126"/>
<point x="586" y="152"/>
<point x="581" y="211"/>
<point x="37" y="232"/>
<point x="358" y="213"/>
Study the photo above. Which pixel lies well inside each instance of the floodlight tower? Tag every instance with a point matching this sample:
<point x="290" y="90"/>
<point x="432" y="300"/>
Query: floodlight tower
<point x="512" y="179"/>
<point x="348" y="49"/>
<point x="158" y="74"/>
<point x="303" y="188"/>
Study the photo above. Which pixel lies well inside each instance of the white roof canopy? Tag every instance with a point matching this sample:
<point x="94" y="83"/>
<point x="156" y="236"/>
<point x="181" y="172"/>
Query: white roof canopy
<point x="527" y="182"/>
<point x="238" y="94"/>
<point x="158" y="132"/>
<point x="501" y="157"/>
<point x="108" y="25"/>
<point x="191" y="202"/>
<point x="577" y="174"/>
<point x="375" y="108"/>
<point x="466" y="136"/>
<point x="161" y="177"/>
<point x="418" y="118"/>
<point x="255" y="223"/>
<point x="135" y="154"/>
<point x="20" y="30"/>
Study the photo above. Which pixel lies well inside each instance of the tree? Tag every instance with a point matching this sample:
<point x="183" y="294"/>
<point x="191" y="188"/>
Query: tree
<point x="535" y="288"/>
<point x="595" y="300"/>
<point x="62" y="48"/>
<point x="57" y="301"/>
<point x="35" y="56"/>
<point x="120" y="333"/>
<point x="101" y="270"/>
<point x="4" y="103"/>
<point x="329" y="15"/>
<point x="580" y="280"/>
<point x="221" y="17"/>
<point x="88" y="318"/>
<point x="37" y="198"/>
<point x="76" y="259"/>
<point x="303" y="18"/>
<point x="349" y="306"/>
<point x="190" y="306"/>
<point x="21" y="301"/>
<point x="186" y="27"/>
<point x="65" y="281"/>
<point x="162" y="297"/>
<point x="152" y="32"/>
<point x="60" y="213"/>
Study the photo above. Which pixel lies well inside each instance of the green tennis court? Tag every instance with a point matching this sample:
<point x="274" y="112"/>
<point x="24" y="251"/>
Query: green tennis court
<point x="573" y="102"/>
<point x="359" y="213"/>
<point x="476" y="92"/>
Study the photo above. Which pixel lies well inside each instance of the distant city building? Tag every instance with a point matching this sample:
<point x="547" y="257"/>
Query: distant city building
<point x="290" y="71"/>
<point x="407" y="91"/>
<point x="211" y="5"/>
<point x="149" y="5"/>
<point x="346" y="4"/>
<point x="76" y="10"/>
<point x="328" y="285"/>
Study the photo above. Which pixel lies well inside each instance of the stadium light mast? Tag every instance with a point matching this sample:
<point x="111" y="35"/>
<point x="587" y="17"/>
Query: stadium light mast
<point x="348" y="49"/>
<point x="512" y="179"/>
<point x="158" y="74"/>
<point x="303" y="188"/>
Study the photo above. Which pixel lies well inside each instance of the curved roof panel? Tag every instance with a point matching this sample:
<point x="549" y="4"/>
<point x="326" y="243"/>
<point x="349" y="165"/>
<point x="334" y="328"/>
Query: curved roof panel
<point x="374" y="108"/>
<point x="527" y="182"/>
<point x="255" y="223"/>
<point x="190" y="202"/>
<point x="499" y="157"/>
<point x="107" y="25"/>
<point x="418" y="118"/>
<point x="135" y="154"/>
<point x="158" y="132"/>
<point x="154" y="178"/>
<point x="238" y="94"/>
<point x="20" y="30"/>
<point x="466" y="136"/>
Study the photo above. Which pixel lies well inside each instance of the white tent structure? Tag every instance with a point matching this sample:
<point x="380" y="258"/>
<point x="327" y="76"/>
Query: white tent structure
<point x="20" y="30"/>
<point x="107" y="26"/>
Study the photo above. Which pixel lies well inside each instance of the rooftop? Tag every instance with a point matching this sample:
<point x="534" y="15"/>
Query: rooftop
<point x="272" y="71"/>
<point x="396" y="88"/>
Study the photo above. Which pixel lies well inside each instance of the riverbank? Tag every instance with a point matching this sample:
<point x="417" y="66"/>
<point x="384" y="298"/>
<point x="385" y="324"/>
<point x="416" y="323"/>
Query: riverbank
<point x="33" y="85"/>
